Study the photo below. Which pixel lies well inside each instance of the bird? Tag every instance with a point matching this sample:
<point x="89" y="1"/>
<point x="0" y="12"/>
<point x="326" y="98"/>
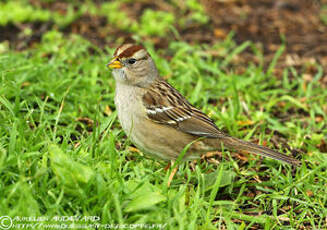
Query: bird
<point x="160" y="121"/>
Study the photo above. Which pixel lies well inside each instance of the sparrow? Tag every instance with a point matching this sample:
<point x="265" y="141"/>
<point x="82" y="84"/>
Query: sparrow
<point x="160" y="121"/>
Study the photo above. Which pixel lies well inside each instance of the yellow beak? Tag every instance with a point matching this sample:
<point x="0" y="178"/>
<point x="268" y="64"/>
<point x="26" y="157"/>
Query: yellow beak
<point x="114" y="64"/>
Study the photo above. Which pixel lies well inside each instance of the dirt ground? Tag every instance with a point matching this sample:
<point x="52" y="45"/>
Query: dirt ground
<point x="265" y="22"/>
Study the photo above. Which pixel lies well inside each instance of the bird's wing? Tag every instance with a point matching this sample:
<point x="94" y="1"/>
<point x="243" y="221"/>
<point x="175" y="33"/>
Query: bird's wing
<point x="165" y="105"/>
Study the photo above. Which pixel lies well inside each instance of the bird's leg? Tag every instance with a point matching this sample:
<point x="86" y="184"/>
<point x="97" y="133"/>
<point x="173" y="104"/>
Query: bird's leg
<point x="172" y="174"/>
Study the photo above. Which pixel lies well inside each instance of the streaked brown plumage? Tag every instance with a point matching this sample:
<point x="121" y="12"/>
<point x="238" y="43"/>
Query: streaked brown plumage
<point x="159" y="120"/>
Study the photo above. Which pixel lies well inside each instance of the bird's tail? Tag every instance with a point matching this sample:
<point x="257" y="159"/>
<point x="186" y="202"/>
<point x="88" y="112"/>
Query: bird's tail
<point x="240" y="145"/>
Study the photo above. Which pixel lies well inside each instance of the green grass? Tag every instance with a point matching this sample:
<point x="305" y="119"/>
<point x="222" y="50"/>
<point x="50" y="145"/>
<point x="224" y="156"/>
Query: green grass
<point x="53" y="163"/>
<point x="63" y="152"/>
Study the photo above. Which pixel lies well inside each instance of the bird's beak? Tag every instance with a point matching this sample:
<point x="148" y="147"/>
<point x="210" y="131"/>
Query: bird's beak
<point x="114" y="64"/>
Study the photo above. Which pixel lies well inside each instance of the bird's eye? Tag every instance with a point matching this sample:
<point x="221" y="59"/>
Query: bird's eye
<point x="131" y="61"/>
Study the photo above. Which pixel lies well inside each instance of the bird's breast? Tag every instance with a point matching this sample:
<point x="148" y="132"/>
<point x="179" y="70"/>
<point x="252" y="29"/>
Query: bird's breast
<point x="129" y="106"/>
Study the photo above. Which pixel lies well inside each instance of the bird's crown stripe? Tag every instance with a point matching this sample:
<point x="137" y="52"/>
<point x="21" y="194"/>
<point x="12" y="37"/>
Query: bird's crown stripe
<point x="130" y="51"/>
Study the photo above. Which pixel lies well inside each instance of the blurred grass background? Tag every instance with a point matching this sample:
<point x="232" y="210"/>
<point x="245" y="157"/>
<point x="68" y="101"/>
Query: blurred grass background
<point x="62" y="150"/>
